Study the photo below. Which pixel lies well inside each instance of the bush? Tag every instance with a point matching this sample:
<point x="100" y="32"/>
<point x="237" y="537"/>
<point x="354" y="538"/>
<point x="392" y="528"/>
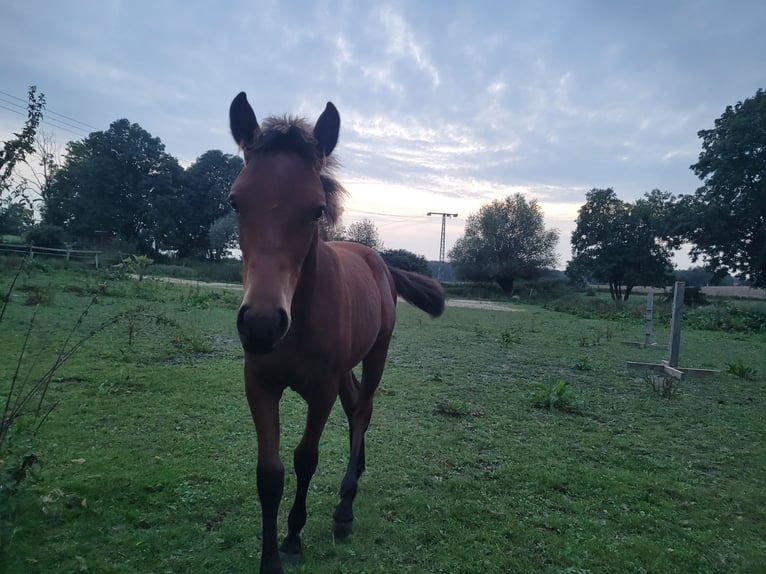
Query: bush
<point x="45" y="235"/>
<point x="406" y="260"/>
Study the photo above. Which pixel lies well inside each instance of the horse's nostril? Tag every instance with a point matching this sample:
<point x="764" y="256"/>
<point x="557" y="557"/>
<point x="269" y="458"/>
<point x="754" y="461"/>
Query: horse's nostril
<point x="241" y="317"/>
<point x="284" y="321"/>
<point x="260" y="332"/>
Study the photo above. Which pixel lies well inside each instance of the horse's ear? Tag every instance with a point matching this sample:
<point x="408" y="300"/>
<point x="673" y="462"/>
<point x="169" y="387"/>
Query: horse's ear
<point x="327" y="128"/>
<point x="244" y="126"/>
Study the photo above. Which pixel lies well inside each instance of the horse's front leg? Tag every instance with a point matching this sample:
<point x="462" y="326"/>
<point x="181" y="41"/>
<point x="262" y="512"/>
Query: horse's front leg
<point x="306" y="458"/>
<point x="270" y="473"/>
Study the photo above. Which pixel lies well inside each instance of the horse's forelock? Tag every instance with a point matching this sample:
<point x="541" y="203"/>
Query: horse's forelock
<point x="295" y="135"/>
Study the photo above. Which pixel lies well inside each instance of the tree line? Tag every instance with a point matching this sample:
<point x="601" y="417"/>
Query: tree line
<point x="626" y="244"/>
<point x="122" y="182"/>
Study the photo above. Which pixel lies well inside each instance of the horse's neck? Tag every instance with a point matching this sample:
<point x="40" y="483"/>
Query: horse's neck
<point x="311" y="282"/>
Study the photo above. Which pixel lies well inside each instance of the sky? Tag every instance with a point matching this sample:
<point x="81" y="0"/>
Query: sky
<point x="445" y="106"/>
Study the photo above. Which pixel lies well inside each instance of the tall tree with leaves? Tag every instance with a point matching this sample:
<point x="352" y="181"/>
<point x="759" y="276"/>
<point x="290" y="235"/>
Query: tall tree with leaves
<point x="364" y="232"/>
<point x="728" y="213"/>
<point x="119" y="180"/>
<point x="407" y="260"/>
<point x="506" y="240"/>
<point x="16" y="212"/>
<point x="623" y="244"/>
<point x="203" y="200"/>
<point x="15" y="150"/>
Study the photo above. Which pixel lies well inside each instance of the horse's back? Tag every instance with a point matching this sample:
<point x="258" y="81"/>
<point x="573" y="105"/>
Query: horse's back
<point x="367" y="284"/>
<point x="357" y="260"/>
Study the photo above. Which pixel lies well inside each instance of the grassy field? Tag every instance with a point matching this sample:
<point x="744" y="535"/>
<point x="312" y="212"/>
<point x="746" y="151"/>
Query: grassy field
<point x="147" y="462"/>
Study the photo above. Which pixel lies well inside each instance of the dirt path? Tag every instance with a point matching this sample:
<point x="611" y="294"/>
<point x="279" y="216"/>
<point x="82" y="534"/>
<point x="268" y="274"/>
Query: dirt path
<point x="464" y="303"/>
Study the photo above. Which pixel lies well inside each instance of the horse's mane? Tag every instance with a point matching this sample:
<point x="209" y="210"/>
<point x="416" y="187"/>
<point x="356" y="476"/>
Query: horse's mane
<point x="288" y="134"/>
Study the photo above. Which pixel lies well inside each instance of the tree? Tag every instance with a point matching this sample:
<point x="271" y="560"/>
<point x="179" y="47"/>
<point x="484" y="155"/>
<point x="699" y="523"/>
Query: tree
<point x="16" y="213"/>
<point x="406" y="260"/>
<point x="203" y="200"/>
<point x="623" y="244"/>
<point x="16" y="150"/>
<point x="366" y="233"/>
<point x="15" y="216"/>
<point x="506" y="240"/>
<point x="728" y="213"/>
<point x="44" y="169"/>
<point x="119" y="180"/>
<point x="222" y="235"/>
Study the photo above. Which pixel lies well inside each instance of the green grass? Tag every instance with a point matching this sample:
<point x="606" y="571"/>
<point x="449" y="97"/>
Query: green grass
<point x="147" y="463"/>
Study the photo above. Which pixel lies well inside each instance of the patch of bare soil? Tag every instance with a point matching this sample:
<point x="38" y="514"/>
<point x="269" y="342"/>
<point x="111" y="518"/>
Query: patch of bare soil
<point x="487" y="305"/>
<point x="465" y="303"/>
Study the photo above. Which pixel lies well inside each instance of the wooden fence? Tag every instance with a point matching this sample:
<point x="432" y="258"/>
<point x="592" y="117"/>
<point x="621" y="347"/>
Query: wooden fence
<point x="31" y="251"/>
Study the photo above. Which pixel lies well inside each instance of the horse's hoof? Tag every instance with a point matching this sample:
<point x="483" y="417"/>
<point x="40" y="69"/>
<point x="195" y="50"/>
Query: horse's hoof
<point x="290" y="551"/>
<point x="342" y="530"/>
<point x="289" y="559"/>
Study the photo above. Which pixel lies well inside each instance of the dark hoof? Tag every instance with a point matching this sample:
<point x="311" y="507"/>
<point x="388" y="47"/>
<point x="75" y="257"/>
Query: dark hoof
<point x="342" y="530"/>
<point x="291" y="559"/>
<point x="290" y="551"/>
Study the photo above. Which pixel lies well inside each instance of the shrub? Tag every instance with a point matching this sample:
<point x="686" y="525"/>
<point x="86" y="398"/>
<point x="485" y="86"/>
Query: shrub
<point x="406" y="260"/>
<point x="45" y="235"/>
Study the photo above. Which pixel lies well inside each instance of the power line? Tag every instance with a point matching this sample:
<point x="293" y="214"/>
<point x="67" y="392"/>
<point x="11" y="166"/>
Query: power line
<point x="48" y="122"/>
<point x="55" y="122"/>
<point x="91" y="126"/>
<point x="402" y="215"/>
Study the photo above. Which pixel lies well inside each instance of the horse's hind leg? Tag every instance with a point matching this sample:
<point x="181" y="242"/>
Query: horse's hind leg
<point x="305" y="458"/>
<point x="349" y="395"/>
<point x="357" y="402"/>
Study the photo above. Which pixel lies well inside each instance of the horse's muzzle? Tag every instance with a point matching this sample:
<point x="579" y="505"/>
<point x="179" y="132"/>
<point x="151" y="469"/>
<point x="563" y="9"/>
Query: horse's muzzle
<point x="261" y="332"/>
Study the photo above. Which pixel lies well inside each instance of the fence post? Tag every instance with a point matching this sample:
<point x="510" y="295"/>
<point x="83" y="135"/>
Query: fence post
<point x="648" y="317"/>
<point x="675" y="323"/>
<point x="96" y="260"/>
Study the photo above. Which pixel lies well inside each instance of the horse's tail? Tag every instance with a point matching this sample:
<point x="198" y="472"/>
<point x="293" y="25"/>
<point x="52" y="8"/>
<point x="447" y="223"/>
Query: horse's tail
<point x="423" y="292"/>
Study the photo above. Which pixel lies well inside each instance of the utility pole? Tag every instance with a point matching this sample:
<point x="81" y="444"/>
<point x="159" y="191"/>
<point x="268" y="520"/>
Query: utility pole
<point x="441" y="244"/>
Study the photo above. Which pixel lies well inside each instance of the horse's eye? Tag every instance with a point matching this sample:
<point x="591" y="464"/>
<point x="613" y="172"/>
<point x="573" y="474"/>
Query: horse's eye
<point x="233" y="205"/>
<point x="318" y="213"/>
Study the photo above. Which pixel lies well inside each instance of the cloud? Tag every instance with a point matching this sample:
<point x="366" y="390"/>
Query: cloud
<point x="402" y="43"/>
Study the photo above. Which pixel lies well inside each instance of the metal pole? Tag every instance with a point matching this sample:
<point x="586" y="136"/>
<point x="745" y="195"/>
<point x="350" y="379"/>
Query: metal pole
<point x="442" y="240"/>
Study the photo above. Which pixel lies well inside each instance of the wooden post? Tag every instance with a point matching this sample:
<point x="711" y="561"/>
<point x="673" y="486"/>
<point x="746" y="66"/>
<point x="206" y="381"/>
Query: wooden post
<point x="675" y="323"/>
<point x="648" y="318"/>
<point x="97" y="260"/>
<point x="670" y="367"/>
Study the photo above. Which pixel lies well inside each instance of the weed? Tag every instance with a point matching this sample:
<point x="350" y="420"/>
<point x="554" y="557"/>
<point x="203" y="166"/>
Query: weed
<point x="594" y="341"/>
<point x="583" y="364"/>
<point x="509" y="338"/>
<point x="39" y="295"/>
<point x="194" y="342"/>
<point x="198" y="298"/>
<point x="136" y="265"/>
<point x="452" y="408"/>
<point x="740" y="370"/>
<point x="663" y="386"/>
<point x="556" y="395"/>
